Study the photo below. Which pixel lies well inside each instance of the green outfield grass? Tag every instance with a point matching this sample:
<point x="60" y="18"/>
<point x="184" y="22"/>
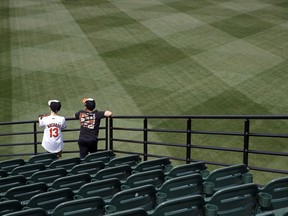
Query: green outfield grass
<point x="144" y="57"/>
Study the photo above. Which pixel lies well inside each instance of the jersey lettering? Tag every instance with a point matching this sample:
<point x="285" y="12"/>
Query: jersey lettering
<point x="54" y="132"/>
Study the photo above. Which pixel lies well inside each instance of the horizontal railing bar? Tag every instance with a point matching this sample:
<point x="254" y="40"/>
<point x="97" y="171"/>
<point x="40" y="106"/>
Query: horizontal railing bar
<point x="206" y="117"/>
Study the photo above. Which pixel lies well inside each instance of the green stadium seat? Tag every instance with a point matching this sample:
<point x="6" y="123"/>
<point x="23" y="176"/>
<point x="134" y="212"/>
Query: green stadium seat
<point x="277" y="212"/>
<point x="180" y="186"/>
<point x="131" y="160"/>
<point x="28" y="170"/>
<point x="187" y="169"/>
<point x="11" y="181"/>
<point x="67" y="163"/>
<point x="9" y="165"/>
<point x="45" y="158"/>
<point x="3" y="173"/>
<point x="153" y="177"/>
<point x="47" y="176"/>
<point x="184" y="206"/>
<point x="227" y="176"/>
<point x="160" y="163"/>
<point x="73" y="182"/>
<point x="130" y="212"/>
<point x="120" y="172"/>
<point x="91" y="206"/>
<point x="104" y="156"/>
<point x="29" y="212"/>
<point x="103" y="188"/>
<point x="278" y="189"/>
<point x="25" y="192"/>
<point x="139" y="197"/>
<point x="91" y="168"/>
<point x="10" y="206"/>
<point x="240" y="200"/>
<point x="49" y="200"/>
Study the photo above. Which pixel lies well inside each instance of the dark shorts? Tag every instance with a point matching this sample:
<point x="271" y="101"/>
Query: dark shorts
<point x="86" y="147"/>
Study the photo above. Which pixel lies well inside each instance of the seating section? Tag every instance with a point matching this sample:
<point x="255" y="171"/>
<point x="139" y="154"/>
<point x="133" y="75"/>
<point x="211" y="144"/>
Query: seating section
<point x="106" y="184"/>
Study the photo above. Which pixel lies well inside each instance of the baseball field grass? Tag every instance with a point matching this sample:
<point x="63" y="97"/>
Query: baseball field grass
<point x="146" y="57"/>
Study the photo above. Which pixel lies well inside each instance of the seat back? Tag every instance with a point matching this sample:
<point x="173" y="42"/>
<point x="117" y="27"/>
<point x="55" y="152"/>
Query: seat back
<point x="278" y="189"/>
<point x="184" y="206"/>
<point x="49" y="200"/>
<point x="160" y="163"/>
<point x="45" y="158"/>
<point x="11" y="181"/>
<point x="10" y="206"/>
<point x="87" y="206"/>
<point x="103" y="188"/>
<point x="28" y="212"/>
<point x="130" y="212"/>
<point x="187" y="185"/>
<point x="104" y="156"/>
<point x="28" y="170"/>
<point x="119" y="172"/>
<point x="236" y="200"/>
<point x="67" y="163"/>
<point x="131" y="160"/>
<point x="153" y="177"/>
<point x="9" y="165"/>
<point x="91" y="168"/>
<point x="74" y="182"/>
<point x="47" y="176"/>
<point x="187" y="169"/>
<point x="139" y="197"/>
<point x="3" y="173"/>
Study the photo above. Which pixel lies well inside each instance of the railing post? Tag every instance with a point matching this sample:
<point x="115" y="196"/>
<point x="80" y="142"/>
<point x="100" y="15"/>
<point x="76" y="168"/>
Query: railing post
<point x="246" y="141"/>
<point x="111" y="134"/>
<point x="106" y="133"/>
<point x="145" y="139"/>
<point x="188" y="141"/>
<point x="35" y="138"/>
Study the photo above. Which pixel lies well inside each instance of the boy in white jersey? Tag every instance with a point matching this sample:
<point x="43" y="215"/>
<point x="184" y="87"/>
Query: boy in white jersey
<point x="52" y="139"/>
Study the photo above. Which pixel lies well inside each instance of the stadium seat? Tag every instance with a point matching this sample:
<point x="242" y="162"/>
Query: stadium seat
<point x="28" y="170"/>
<point x="180" y="186"/>
<point x="91" y="168"/>
<point x="131" y="160"/>
<point x="160" y="163"/>
<point x="45" y="158"/>
<point x="278" y="189"/>
<point x="9" y="165"/>
<point x="130" y="212"/>
<point x="28" y="212"/>
<point x="91" y="206"/>
<point x="104" y="156"/>
<point x="119" y="172"/>
<point x="25" y="192"/>
<point x="3" y="173"/>
<point x="240" y="200"/>
<point x="187" y="169"/>
<point x="277" y="212"/>
<point x="153" y="177"/>
<point x="184" y="206"/>
<point x="10" y="206"/>
<point x="67" y="163"/>
<point x="47" y="176"/>
<point x="139" y="197"/>
<point x="73" y="182"/>
<point x="103" y="188"/>
<point x="227" y="176"/>
<point x="49" y="200"/>
<point x="11" y="181"/>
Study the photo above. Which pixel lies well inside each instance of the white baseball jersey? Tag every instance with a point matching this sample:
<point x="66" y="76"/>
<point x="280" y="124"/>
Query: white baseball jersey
<point x="52" y="138"/>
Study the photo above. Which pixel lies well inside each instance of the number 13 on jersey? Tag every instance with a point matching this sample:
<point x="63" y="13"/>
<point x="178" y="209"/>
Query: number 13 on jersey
<point x="54" y="132"/>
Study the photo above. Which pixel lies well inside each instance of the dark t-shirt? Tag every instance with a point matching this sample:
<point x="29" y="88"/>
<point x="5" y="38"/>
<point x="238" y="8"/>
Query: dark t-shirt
<point x="89" y="122"/>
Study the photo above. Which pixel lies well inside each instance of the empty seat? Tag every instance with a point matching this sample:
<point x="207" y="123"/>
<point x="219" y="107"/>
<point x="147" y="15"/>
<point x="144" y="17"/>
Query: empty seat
<point x="153" y="177"/>
<point x="184" y="206"/>
<point x="119" y="172"/>
<point x="130" y="212"/>
<point x="28" y="170"/>
<point x="47" y="176"/>
<point x="140" y="197"/>
<point x="73" y="182"/>
<point x="9" y="165"/>
<point x="11" y="181"/>
<point x="91" y="168"/>
<point x="49" y="200"/>
<point x="103" y="188"/>
<point x="160" y="163"/>
<point x="67" y="163"/>
<point x="131" y="160"/>
<point x="3" y="173"/>
<point x="236" y="200"/>
<point x="29" y="212"/>
<point x="10" y="206"/>
<point x="104" y="156"/>
<point x="25" y="192"/>
<point x="180" y="186"/>
<point x="45" y="158"/>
